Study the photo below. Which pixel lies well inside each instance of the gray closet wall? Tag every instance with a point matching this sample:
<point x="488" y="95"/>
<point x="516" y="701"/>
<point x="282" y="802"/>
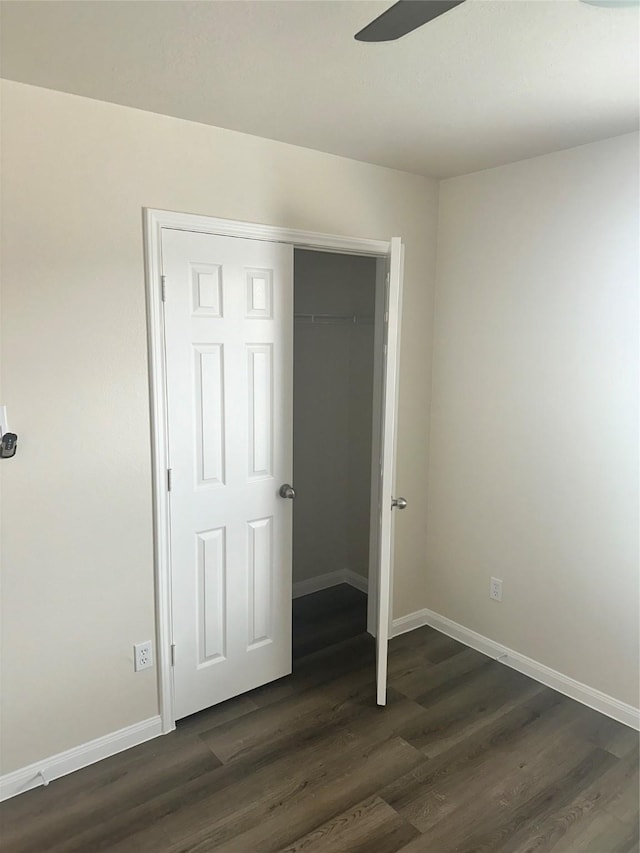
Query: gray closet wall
<point x="333" y="391"/>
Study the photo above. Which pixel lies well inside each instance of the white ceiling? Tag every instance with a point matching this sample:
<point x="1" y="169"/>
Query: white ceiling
<point x="490" y="82"/>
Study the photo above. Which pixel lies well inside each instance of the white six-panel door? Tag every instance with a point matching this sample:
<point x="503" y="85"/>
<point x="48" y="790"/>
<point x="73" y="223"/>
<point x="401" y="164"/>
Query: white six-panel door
<point x="229" y="368"/>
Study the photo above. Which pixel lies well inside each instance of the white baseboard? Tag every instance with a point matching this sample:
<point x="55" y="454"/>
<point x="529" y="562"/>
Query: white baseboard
<point x="356" y="580"/>
<point x="589" y="696"/>
<point x="45" y="771"/>
<point x="319" y="582"/>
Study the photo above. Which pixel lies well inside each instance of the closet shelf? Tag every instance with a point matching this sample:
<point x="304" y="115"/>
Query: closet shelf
<point x="329" y="319"/>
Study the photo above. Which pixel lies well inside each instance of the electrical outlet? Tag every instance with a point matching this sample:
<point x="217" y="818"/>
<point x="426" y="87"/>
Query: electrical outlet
<point x="142" y="656"/>
<point x="495" y="589"/>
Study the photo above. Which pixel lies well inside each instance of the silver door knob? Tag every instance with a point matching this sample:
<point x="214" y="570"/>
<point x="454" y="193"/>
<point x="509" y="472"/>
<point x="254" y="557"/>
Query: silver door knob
<point x="287" y="491"/>
<point x="398" y="503"/>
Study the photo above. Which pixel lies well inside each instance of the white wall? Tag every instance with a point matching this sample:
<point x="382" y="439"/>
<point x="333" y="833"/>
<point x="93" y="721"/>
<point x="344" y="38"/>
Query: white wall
<point x="76" y="513"/>
<point x="534" y="427"/>
<point x="333" y="394"/>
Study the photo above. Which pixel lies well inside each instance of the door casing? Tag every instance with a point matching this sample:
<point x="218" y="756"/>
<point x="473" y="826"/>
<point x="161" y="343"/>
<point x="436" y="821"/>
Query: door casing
<point x="154" y="221"/>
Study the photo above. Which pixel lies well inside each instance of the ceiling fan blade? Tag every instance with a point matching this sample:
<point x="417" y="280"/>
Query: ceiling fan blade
<point x="403" y="17"/>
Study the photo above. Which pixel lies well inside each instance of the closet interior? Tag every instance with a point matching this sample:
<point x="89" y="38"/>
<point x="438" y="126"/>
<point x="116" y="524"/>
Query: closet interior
<point x="334" y="308"/>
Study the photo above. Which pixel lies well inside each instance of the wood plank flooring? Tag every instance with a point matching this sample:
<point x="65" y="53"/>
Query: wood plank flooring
<point x="468" y="756"/>
<point x="327" y="617"/>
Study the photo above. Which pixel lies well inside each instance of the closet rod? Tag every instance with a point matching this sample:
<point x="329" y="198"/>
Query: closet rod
<point x="333" y="318"/>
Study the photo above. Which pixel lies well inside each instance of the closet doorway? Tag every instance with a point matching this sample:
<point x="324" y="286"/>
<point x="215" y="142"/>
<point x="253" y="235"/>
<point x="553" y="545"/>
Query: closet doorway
<point x="333" y="442"/>
<point x="221" y="330"/>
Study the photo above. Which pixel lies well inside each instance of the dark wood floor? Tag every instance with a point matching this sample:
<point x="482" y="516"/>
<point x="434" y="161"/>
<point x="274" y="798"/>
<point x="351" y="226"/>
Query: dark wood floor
<point x="467" y="756"/>
<point x="326" y="618"/>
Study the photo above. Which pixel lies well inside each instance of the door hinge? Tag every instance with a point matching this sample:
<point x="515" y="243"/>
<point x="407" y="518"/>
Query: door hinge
<point x="163" y="285"/>
<point x="168" y="479"/>
<point x="173" y="654"/>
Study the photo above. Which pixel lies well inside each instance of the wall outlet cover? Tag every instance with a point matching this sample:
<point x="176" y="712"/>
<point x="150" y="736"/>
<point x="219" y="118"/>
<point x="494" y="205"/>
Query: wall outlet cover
<point x="142" y="656"/>
<point x="495" y="589"/>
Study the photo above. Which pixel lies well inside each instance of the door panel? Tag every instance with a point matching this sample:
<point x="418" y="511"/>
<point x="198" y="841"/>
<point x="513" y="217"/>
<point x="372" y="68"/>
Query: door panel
<point x="393" y="311"/>
<point x="228" y="336"/>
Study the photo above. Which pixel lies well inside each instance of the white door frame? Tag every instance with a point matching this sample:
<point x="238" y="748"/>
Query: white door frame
<point x="154" y="222"/>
